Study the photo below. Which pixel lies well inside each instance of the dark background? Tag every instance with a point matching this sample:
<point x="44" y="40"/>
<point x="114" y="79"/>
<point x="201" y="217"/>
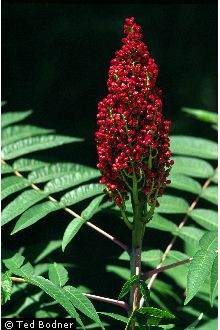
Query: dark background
<point x="55" y="59"/>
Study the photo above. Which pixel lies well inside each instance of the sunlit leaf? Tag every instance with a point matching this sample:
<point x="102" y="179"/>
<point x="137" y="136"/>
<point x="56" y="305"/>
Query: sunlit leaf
<point x="6" y="287"/>
<point x="203" y="115"/>
<point x="81" y="193"/>
<point x="70" y="180"/>
<point x="71" y="230"/>
<point x="14" y="264"/>
<point x="171" y="204"/>
<point x="92" y="208"/>
<point x="58" y="274"/>
<point x="18" y="132"/>
<point x="199" y="270"/>
<point x="205" y="218"/>
<point x="20" y="204"/>
<point x="210" y="194"/>
<point x="193" y="146"/>
<point x="185" y="183"/>
<point x="5" y="168"/>
<point x="128" y="284"/>
<point x="58" y="170"/>
<point x="11" y="184"/>
<point x="58" y="294"/>
<point x="209" y="241"/>
<point x="214" y="281"/>
<point x="192" y="166"/>
<point x="190" y="234"/>
<point x="35" y="143"/>
<point x="161" y="223"/>
<point x="26" y="164"/>
<point x="34" y="214"/>
<point x="82" y="303"/>
<point x="9" y="118"/>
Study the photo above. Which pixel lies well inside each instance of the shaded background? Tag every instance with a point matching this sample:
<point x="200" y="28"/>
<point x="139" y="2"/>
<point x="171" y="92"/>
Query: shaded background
<point x="55" y="59"/>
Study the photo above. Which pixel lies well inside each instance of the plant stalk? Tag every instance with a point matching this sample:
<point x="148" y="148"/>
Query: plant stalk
<point x="137" y="237"/>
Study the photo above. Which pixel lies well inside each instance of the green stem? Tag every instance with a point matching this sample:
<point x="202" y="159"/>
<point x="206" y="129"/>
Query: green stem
<point x="137" y="237"/>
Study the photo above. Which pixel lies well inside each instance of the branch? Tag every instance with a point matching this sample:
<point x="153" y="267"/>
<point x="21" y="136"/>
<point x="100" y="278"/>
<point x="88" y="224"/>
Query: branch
<point x="91" y="296"/>
<point x="170" y="245"/>
<point x="99" y="230"/>
<point x="17" y="279"/>
<point x="161" y="269"/>
<point x="109" y="300"/>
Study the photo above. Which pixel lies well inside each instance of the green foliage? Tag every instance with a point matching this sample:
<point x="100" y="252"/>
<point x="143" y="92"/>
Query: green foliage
<point x="68" y="297"/>
<point x="32" y="189"/>
<point x="126" y="287"/>
<point x="203" y="115"/>
<point x="6" y="287"/>
<point x="201" y="265"/>
<point x="196" y="147"/>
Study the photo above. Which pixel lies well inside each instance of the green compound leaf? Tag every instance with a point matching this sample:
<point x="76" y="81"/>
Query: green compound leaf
<point x="81" y="193"/>
<point x="171" y="204"/>
<point x="14" y="264"/>
<point x="211" y="194"/>
<point x="177" y="255"/>
<point x="19" y="132"/>
<point x="6" y="287"/>
<point x="35" y="143"/>
<point x="54" y="291"/>
<point x="13" y="117"/>
<point x="153" y="316"/>
<point x="126" y="287"/>
<point x="161" y="223"/>
<point x="34" y="214"/>
<point x="58" y="294"/>
<point x="58" y="170"/>
<point x="26" y="164"/>
<point x="192" y="167"/>
<point x="58" y="274"/>
<point x="5" y="168"/>
<point x="11" y="184"/>
<point x="209" y="241"/>
<point x="20" y="204"/>
<point x="151" y="256"/>
<point x="193" y="146"/>
<point x="144" y="291"/>
<point x="199" y="270"/>
<point x="205" y="218"/>
<point x="190" y="235"/>
<point x="82" y="303"/>
<point x="92" y="208"/>
<point x="203" y="115"/>
<point x="70" y="180"/>
<point x="214" y="281"/>
<point x="215" y="177"/>
<point x="71" y="231"/>
<point x="185" y="183"/>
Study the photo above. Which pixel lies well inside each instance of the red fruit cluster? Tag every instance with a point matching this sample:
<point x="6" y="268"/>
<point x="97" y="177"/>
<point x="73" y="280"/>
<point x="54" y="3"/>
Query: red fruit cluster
<point x="132" y="138"/>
